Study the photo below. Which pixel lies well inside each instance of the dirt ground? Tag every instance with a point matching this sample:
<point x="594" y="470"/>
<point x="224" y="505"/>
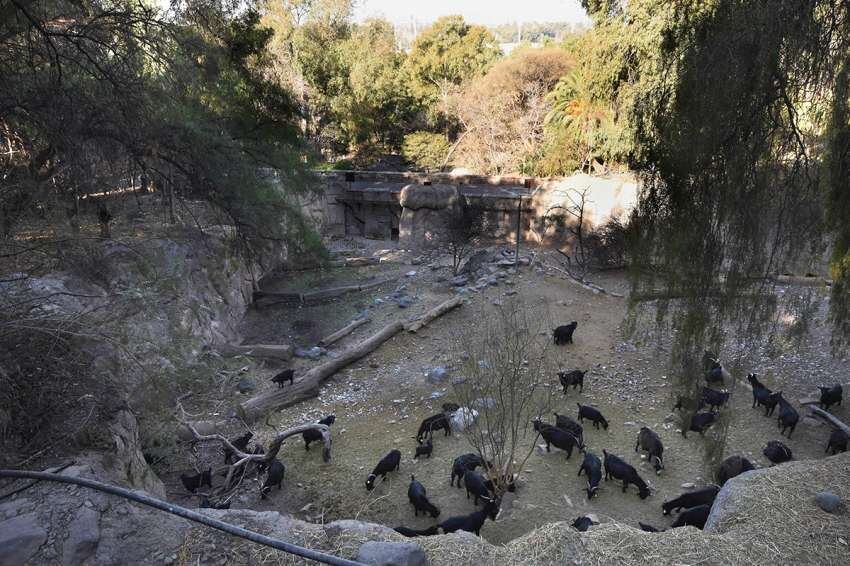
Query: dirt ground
<point x="380" y="401"/>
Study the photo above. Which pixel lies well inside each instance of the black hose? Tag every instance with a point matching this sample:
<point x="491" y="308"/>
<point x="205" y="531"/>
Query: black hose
<point x="186" y="514"/>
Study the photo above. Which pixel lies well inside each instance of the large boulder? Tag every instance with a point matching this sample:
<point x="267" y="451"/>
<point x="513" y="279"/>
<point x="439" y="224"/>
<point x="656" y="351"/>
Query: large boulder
<point x="376" y="553"/>
<point x="431" y="197"/>
<point x="20" y="539"/>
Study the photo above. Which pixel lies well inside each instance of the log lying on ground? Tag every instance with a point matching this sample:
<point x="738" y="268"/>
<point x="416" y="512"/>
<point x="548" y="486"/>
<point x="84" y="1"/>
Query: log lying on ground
<point x="342" y="332"/>
<point x="834" y="421"/>
<point x="355" y="261"/>
<point x="317" y="296"/>
<point x="436" y="312"/>
<point x="308" y="385"/>
<point x="265" y="351"/>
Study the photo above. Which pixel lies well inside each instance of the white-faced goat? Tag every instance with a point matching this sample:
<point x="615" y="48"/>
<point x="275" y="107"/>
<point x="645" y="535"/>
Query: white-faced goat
<point x="617" y="468"/>
<point x="703" y="496"/>
<point x="651" y="442"/>
<point x="390" y="462"/>
<point x="592" y="467"/>
<point x="419" y="500"/>
<point x="473" y="522"/>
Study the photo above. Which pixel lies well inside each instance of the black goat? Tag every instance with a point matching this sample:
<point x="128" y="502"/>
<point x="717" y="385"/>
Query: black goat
<point x="432" y="423"/>
<point x="464" y="463"/>
<point x="581" y="524"/>
<point x="274" y="477"/>
<point x="837" y="441"/>
<point x="574" y="378"/>
<point x="715" y="373"/>
<point x="449" y="408"/>
<point x="592" y="467"/>
<point x="762" y="395"/>
<point x="430" y="531"/>
<point x="700" y="423"/>
<point x="564" y="334"/>
<point x="617" y="468"/>
<point x="416" y="494"/>
<point x="712" y="398"/>
<point x="193" y="482"/>
<point x="649" y="528"/>
<point x="566" y="423"/>
<point x="593" y="414"/>
<point x="314" y="435"/>
<point x="474" y="521"/>
<point x="477" y="486"/>
<point x="788" y="417"/>
<point x="389" y="463"/>
<point x="694" y="517"/>
<point x="424" y="449"/>
<point x="703" y="496"/>
<point x="240" y="443"/>
<point x="285" y="375"/>
<point x="731" y="467"/>
<point x="777" y="452"/>
<point x="830" y="396"/>
<point x="651" y="442"/>
<point x="557" y="437"/>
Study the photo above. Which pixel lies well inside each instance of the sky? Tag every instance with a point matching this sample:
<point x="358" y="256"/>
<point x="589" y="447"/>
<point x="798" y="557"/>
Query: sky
<point x="486" y="12"/>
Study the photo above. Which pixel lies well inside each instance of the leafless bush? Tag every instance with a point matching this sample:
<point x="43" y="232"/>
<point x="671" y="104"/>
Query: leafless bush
<point x="464" y="229"/>
<point x="507" y="380"/>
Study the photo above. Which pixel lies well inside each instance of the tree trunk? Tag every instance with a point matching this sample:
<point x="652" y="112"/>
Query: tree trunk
<point x="436" y="312"/>
<point x="341" y="333"/>
<point x="834" y="421"/>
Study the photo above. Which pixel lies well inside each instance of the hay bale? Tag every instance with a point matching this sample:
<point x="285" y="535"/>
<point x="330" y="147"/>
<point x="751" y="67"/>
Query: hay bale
<point x="432" y="197"/>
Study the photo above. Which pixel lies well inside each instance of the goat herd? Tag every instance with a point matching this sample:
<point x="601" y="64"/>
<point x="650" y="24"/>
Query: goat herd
<point x="567" y="434"/>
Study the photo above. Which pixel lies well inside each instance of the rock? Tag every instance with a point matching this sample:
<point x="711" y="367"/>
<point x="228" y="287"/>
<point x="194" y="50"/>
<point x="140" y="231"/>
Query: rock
<point x="378" y="553"/>
<point x="463" y="418"/>
<point x="475" y="262"/>
<point x="436" y="395"/>
<point x="492" y="281"/>
<point x="313" y="353"/>
<point x="812" y="422"/>
<point x="828" y="501"/>
<point x="20" y="539"/>
<point x="83" y="537"/>
<point x="510" y="292"/>
<point x="506" y="263"/>
<point x="246" y="385"/>
<point x="437" y="374"/>
<point x="459" y="281"/>
<point x="458" y="380"/>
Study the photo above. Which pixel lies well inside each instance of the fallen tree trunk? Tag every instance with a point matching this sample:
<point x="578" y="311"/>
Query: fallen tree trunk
<point x="342" y="332"/>
<point x="436" y="312"/>
<point x="317" y="296"/>
<point x="831" y="419"/>
<point x="308" y="386"/>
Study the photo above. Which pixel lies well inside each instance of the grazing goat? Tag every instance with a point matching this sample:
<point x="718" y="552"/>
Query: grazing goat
<point x="556" y="437"/>
<point x="416" y="494"/>
<point x="193" y="482"/>
<point x="313" y="435"/>
<point x="830" y="396"/>
<point x="617" y="468"/>
<point x="566" y="423"/>
<point x="240" y="443"/>
<point x="430" y="531"/>
<point x="574" y="378"/>
<point x="694" y="517"/>
<point x="700" y="423"/>
<point x="285" y="375"/>
<point x="477" y="486"/>
<point x="432" y="423"/>
<point x="651" y="442"/>
<point x="731" y="467"/>
<point x="390" y="462"/>
<point x="592" y="467"/>
<point x="703" y="496"/>
<point x="274" y="477"/>
<point x="581" y="524"/>
<point x="424" y="449"/>
<point x="564" y="334"/>
<point x="788" y="417"/>
<point x="837" y="441"/>
<point x="777" y="452"/>
<point x="473" y="522"/>
<point x="464" y="463"/>
<point x="593" y="414"/>
<point x="712" y="398"/>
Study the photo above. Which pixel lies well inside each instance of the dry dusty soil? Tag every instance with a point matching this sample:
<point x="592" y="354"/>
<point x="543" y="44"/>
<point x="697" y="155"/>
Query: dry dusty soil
<point x="380" y="401"/>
